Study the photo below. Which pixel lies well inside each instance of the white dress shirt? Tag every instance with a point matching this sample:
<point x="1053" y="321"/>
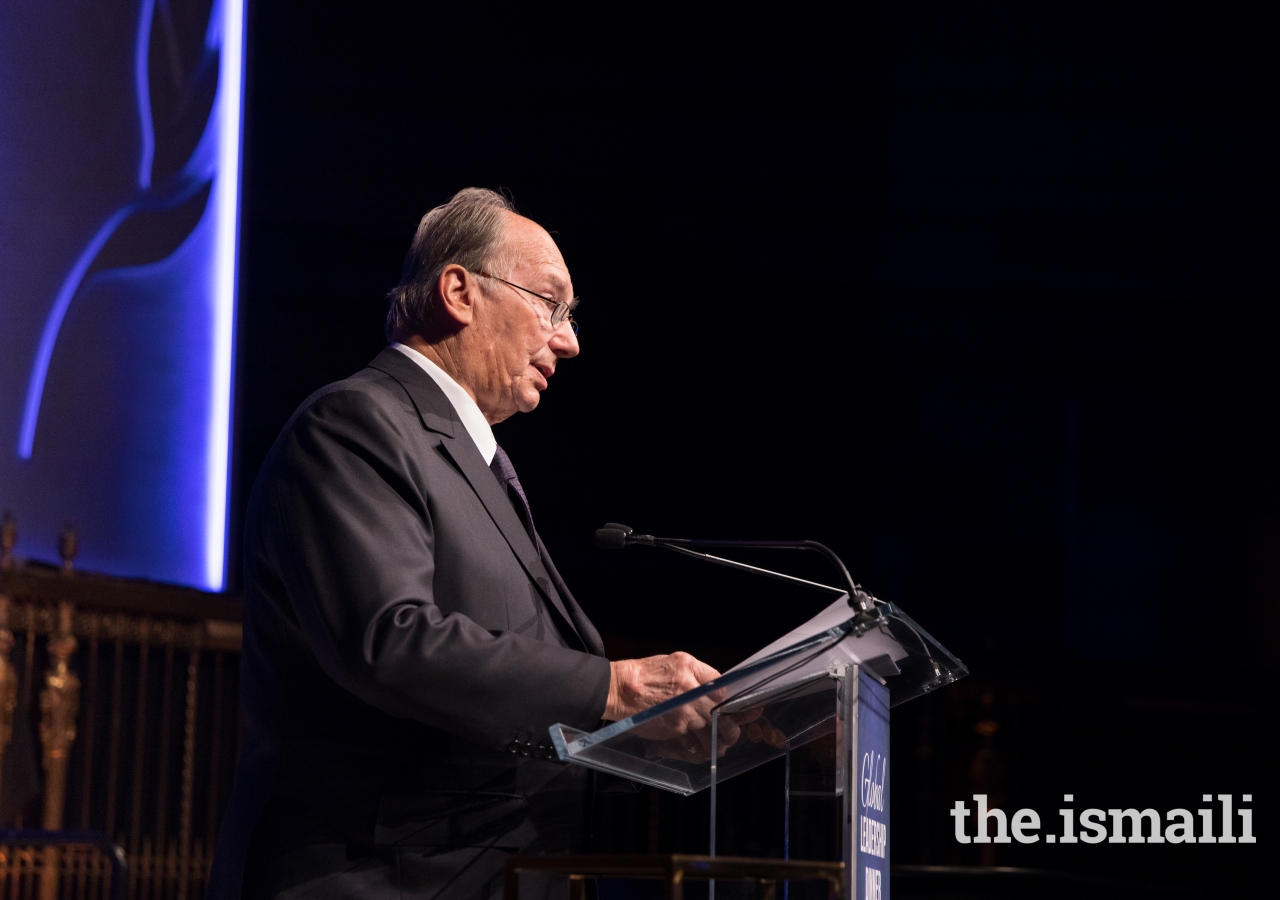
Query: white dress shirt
<point x="472" y="419"/>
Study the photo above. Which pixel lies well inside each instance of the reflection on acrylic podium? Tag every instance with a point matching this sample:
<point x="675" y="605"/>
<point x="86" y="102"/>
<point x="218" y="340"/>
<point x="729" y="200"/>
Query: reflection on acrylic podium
<point x="820" y="697"/>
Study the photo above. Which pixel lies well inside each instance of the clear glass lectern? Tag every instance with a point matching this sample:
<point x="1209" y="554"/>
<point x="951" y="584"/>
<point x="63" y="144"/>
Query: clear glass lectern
<point x="837" y="675"/>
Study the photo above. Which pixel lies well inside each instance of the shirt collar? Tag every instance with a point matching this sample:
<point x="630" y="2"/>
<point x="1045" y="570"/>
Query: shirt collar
<point x="472" y="419"/>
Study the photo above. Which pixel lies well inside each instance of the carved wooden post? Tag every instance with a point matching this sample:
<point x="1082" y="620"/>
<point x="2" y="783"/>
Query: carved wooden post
<point x="8" y="678"/>
<point x="8" y="540"/>
<point x="59" y="703"/>
<point x="8" y="682"/>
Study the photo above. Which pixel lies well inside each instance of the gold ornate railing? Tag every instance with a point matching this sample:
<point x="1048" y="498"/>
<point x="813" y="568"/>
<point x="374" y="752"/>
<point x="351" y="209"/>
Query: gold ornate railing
<point x="118" y="713"/>
<point x="90" y="867"/>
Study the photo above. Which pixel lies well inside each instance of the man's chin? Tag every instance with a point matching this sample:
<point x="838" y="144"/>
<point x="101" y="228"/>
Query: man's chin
<point x="529" y="402"/>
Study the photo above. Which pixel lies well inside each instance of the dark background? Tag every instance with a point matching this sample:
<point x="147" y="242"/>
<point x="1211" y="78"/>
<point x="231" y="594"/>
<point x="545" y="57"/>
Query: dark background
<point x="977" y="294"/>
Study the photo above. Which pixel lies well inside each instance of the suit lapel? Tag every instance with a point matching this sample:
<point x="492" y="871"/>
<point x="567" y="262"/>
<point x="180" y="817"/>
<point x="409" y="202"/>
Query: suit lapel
<point x="587" y="631"/>
<point x="438" y="414"/>
<point x="469" y="461"/>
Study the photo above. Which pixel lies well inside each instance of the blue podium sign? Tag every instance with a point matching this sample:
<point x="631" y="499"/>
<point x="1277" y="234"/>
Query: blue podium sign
<point x="867" y="798"/>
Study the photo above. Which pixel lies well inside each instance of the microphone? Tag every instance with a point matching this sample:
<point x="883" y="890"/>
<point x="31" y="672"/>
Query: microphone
<point x="613" y="536"/>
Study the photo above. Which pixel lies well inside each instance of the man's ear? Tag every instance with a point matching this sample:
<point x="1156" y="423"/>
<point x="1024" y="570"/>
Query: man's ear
<point x="457" y="289"/>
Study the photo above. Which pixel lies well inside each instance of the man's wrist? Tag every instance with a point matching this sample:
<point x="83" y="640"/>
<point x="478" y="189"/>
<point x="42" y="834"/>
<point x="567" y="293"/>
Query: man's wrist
<point x="613" y="703"/>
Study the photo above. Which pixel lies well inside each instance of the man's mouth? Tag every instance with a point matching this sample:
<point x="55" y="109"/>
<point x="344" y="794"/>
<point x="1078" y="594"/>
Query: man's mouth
<point x="545" y="371"/>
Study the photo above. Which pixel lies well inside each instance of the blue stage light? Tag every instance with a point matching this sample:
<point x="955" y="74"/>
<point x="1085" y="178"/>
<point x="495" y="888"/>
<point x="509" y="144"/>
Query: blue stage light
<point x="227" y="204"/>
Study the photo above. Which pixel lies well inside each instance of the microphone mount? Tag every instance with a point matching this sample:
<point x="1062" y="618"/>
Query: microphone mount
<point x="615" y="537"/>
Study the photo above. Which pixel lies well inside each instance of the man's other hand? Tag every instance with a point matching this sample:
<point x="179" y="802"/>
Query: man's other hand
<point x="637" y="684"/>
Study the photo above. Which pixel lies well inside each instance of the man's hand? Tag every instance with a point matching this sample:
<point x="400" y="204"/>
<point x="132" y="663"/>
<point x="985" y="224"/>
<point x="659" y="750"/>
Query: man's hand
<point x="637" y="684"/>
<point x="683" y="733"/>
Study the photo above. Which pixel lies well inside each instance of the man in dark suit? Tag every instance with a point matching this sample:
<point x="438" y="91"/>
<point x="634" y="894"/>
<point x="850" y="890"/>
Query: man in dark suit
<point x="408" y="640"/>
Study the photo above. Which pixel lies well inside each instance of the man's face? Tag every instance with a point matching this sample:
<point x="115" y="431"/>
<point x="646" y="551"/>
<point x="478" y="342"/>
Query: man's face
<point x="514" y="348"/>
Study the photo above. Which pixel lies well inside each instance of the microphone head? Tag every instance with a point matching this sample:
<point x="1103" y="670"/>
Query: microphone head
<point x="612" y="536"/>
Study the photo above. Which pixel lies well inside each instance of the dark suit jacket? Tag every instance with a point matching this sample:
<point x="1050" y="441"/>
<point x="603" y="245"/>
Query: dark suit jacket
<point x="406" y="649"/>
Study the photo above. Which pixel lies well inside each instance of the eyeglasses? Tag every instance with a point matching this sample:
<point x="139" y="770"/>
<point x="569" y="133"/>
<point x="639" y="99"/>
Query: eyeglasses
<point x="561" y="310"/>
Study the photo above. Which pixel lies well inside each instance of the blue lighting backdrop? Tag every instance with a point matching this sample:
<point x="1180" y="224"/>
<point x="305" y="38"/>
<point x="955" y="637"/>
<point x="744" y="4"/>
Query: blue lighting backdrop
<point x="120" y="141"/>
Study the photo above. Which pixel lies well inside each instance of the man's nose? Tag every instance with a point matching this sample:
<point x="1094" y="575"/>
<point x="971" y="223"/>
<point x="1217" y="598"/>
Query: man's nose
<point x="564" y="343"/>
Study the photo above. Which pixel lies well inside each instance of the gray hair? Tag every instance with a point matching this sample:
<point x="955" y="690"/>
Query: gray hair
<point x="467" y="231"/>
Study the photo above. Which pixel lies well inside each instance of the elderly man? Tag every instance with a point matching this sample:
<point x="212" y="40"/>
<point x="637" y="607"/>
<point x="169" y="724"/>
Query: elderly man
<point x="408" y="640"/>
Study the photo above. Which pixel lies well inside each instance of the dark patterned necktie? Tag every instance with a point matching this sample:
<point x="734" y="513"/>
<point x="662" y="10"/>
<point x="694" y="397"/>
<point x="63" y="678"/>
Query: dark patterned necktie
<point x="506" y="475"/>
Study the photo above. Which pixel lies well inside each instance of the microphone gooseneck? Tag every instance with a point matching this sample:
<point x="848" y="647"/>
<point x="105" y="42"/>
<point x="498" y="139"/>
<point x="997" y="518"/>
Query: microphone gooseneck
<point x="614" y="536"/>
<point x="866" y="614"/>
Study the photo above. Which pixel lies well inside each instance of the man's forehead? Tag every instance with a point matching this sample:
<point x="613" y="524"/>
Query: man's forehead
<point x="535" y="247"/>
<point x="533" y="239"/>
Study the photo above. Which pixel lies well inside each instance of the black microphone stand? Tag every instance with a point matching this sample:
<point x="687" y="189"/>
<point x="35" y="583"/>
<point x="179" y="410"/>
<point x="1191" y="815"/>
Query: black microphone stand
<point x="615" y="537"/>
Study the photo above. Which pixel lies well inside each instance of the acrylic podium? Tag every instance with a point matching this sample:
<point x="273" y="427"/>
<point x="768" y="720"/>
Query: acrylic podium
<point x="837" y="677"/>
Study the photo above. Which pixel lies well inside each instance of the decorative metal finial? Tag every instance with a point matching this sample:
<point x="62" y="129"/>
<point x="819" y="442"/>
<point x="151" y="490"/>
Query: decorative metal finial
<point x="8" y="540"/>
<point x="68" y="544"/>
